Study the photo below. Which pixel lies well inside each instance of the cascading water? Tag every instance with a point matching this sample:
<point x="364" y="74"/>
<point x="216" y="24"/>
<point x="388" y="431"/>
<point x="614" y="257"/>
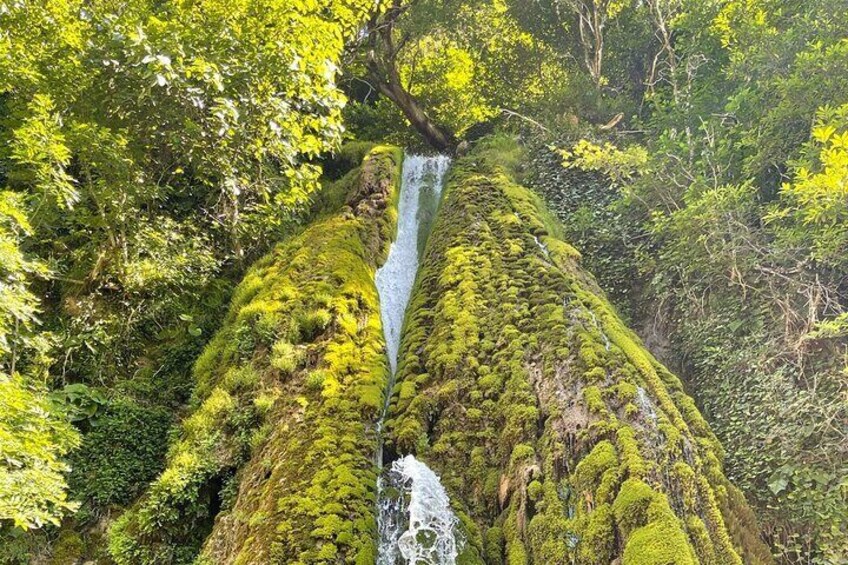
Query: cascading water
<point x="416" y="524"/>
<point x="422" y="182"/>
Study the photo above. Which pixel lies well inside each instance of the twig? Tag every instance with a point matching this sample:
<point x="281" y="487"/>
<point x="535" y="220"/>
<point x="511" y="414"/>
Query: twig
<point x="511" y="113"/>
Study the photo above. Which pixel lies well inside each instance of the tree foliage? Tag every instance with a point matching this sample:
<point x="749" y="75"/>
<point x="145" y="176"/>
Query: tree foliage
<point x="148" y="149"/>
<point x="33" y="441"/>
<point x="813" y="209"/>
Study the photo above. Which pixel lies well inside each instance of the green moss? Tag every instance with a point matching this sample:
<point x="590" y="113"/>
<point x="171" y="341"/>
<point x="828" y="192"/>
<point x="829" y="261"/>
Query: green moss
<point x="700" y="536"/>
<point x="286" y="357"/>
<point x="534" y="491"/>
<point x="594" y="402"/>
<point x="519" y="385"/>
<point x="69" y="548"/>
<point x="240" y="379"/>
<point x="471" y="541"/>
<point x="625" y="392"/>
<point x="516" y="550"/>
<point x="551" y="534"/>
<point x="631" y="505"/>
<point x="494" y="546"/>
<point x="595" y="375"/>
<point x="661" y="542"/>
<point x="654" y="534"/>
<point x="289" y="460"/>
<point x="312" y="323"/>
<point x="521" y="453"/>
<point x="597" y="547"/>
<point x="632" y="461"/>
<point x="592" y="467"/>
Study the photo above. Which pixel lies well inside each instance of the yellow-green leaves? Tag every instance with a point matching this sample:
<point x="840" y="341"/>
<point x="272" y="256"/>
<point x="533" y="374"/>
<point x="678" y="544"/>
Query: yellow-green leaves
<point x="739" y="22"/>
<point x="619" y="164"/>
<point x="18" y="307"/>
<point x="814" y="206"/>
<point x="33" y="441"/>
<point x="445" y="75"/>
<point x="39" y="148"/>
<point x="240" y="95"/>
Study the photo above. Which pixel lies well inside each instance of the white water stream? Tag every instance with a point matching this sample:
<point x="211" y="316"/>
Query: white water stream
<point x="416" y="524"/>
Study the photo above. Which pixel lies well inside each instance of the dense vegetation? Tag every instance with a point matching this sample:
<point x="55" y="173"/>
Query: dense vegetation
<point x="704" y="178"/>
<point x="151" y="151"/>
<point x="149" y="148"/>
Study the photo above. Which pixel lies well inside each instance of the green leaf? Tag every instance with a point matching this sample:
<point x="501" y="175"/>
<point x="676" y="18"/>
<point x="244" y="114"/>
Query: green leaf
<point x="778" y="485"/>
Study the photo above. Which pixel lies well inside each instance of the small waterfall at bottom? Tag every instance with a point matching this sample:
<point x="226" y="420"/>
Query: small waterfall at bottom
<point x="417" y="525"/>
<point x="415" y="521"/>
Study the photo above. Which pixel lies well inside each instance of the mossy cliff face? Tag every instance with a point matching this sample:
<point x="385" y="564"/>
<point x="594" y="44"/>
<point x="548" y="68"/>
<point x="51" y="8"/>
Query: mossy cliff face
<point x="274" y="462"/>
<point x="558" y="436"/>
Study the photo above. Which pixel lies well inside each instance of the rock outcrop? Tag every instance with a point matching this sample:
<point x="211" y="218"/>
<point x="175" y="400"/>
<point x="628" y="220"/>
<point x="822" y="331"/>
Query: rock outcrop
<point x="558" y="436"/>
<point x="274" y="462"/>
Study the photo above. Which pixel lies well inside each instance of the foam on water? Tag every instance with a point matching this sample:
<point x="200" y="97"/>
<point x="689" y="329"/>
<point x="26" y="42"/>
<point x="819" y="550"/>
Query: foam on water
<point x="417" y="524"/>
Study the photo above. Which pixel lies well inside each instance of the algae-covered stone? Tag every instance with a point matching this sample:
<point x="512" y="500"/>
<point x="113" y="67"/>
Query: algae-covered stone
<point x="274" y="461"/>
<point x="515" y="367"/>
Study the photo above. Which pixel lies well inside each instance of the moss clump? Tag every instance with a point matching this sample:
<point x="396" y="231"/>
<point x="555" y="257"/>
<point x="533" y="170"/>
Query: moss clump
<point x="661" y="542"/>
<point x="549" y="423"/>
<point x="602" y="458"/>
<point x="274" y="463"/>
<point x="598" y="544"/>
<point x="631" y="505"/>
<point x="653" y="533"/>
<point x="68" y="548"/>
<point x="286" y="357"/>
<point x="494" y="546"/>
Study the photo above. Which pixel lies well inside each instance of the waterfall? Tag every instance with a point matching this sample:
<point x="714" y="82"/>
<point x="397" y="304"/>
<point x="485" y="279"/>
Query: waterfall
<point x="423" y="178"/>
<point x="415" y="521"/>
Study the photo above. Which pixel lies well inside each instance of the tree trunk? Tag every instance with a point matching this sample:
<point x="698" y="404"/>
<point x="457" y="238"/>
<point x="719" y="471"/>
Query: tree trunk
<point x="383" y="72"/>
<point x="389" y="86"/>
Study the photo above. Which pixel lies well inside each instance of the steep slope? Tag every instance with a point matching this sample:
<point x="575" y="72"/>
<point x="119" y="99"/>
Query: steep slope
<point x="558" y="436"/>
<point x="274" y="463"/>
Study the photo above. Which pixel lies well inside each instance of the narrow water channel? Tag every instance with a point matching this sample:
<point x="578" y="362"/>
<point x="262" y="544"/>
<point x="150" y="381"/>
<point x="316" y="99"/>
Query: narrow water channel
<point x="416" y="524"/>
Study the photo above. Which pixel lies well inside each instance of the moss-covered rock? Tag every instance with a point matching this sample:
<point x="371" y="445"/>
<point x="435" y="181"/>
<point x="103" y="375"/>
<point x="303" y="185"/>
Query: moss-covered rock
<point x="549" y="423"/>
<point x="274" y="461"/>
